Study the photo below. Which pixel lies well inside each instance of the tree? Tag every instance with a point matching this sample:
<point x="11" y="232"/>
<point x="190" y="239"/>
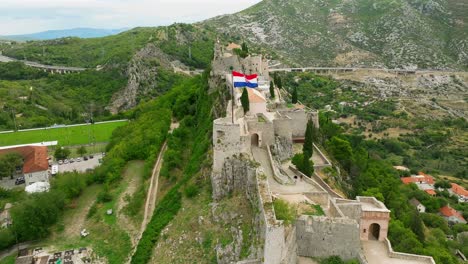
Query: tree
<point x="8" y="164"/>
<point x="294" y="96"/>
<point x="341" y="150"/>
<point x="245" y="48"/>
<point x="272" y="89"/>
<point x="61" y="153"/>
<point x="307" y="166"/>
<point x="280" y="83"/>
<point x="443" y="184"/>
<point x="81" y="151"/>
<point x="245" y="100"/>
<point x="308" y="147"/>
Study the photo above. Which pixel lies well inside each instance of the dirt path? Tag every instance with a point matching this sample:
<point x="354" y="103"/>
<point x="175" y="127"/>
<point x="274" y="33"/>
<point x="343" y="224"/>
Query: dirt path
<point x="134" y="182"/>
<point x="152" y="191"/>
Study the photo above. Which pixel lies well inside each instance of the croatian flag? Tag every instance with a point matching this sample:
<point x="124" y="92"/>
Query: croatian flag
<point x="242" y="80"/>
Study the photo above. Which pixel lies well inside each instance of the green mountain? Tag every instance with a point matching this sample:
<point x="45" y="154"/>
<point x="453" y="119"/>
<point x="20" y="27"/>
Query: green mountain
<point x="134" y="66"/>
<point x="384" y="33"/>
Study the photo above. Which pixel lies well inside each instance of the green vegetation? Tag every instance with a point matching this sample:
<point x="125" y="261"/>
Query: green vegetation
<point x="433" y="146"/>
<point x="245" y="100"/>
<point x="117" y="50"/>
<point x="243" y="52"/>
<point x="193" y="135"/>
<point x="367" y="172"/>
<point x="337" y="260"/>
<point x="31" y="98"/>
<point x="294" y="96"/>
<point x="272" y="89"/>
<point x="9" y="259"/>
<point x="66" y="136"/>
<point x="61" y="152"/>
<point x="284" y="211"/>
<point x="8" y="164"/>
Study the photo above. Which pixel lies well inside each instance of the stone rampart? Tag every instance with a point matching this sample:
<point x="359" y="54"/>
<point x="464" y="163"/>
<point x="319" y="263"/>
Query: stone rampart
<point x="319" y="236"/>
<point x="406" y="256"/>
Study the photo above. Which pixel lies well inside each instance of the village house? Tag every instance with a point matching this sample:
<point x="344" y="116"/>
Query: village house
<point x="419" y="206"/>
<point x="422" y="180"/>
<point x="452" y="215"/>
<point x="35" y="163"/>
<point x="459" y="191"/>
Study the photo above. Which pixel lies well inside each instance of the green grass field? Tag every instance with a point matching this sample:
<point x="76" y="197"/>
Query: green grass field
<point x="66" y="136"/>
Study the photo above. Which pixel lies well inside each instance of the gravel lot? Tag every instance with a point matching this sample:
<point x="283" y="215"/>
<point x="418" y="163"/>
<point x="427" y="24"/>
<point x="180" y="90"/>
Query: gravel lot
<point x="81" y="166"/>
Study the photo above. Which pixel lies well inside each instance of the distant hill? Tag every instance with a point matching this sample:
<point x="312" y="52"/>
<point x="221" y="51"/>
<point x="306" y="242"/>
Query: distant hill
<point x="384" y="33"/>
<point x="74" y="32"/>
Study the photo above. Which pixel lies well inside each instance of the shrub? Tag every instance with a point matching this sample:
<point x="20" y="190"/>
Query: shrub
<point x="191" y="191"/>
<point x="284" y="211"/>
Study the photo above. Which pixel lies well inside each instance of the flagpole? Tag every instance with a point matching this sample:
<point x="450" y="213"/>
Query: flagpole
<point x="232" y="94"/>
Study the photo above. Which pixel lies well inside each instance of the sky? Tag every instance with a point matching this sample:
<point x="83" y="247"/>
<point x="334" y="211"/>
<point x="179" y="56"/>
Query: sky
<point x="30" y="16"/>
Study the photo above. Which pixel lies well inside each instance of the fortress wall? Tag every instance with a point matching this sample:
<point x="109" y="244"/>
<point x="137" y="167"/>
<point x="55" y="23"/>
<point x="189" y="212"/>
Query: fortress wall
<point x="321" y="198"/>
<point x="298" y="121"/>
<point x="406" y="256"/>
<point x="289" y="254"/>
<point x="226" y="142"/>
<point x="351" y="209"/>
<point x="319" y="236"/>
<point x="271" y="230"/>
<point x="264" y="130"/>
<point x="282" y="127"/>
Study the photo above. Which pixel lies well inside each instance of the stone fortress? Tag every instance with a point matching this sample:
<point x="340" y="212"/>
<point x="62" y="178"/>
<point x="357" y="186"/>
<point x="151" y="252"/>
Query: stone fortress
<point x="252" y="152"/>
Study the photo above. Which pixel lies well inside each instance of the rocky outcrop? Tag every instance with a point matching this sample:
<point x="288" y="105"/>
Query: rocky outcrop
<point x="237" y="175"/>
<point x="142" y="78"/>
<point x="282" y="149"/>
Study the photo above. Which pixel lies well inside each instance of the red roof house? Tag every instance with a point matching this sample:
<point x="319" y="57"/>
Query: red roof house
<point x="430" y="192"/>
<point x="459" y="190"/>
<point x="35" y="158"/>
<point x="452" y="215"/>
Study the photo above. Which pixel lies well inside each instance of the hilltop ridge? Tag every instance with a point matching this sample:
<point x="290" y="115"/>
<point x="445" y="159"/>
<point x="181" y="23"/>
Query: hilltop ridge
<point x="395" y="34"/>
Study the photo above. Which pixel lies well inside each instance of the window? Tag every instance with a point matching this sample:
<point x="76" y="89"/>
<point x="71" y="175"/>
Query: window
<point x="365" y="230"/>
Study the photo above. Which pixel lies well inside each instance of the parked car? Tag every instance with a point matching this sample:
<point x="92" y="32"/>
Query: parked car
<point x="19" y="181"/>
<point x="103" y="154"/>
<point x="85" y="158"/>
<point x="78" y="159"/>
<point x="72" y="160"/>
<point x="65" y="161"/>
<point x="91" y="156"/>
<point x="60" y="162"/>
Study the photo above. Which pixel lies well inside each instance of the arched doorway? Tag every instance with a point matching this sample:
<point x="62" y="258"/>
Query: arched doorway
<point x="255" y="139"/>
<point x="374" y="232"/>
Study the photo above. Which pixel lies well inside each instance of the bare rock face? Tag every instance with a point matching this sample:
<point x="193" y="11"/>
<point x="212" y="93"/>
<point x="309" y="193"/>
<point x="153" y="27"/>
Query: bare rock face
<point x="282" y="149"/>
<point x="237" y="175"/>
<point x="142" y="78"/>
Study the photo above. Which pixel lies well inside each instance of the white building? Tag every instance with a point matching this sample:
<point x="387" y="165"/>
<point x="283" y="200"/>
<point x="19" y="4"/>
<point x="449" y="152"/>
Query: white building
<point x="419" y="206"/>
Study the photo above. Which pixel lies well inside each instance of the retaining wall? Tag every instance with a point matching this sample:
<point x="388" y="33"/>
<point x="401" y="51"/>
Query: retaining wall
<point x="406" y="256"/>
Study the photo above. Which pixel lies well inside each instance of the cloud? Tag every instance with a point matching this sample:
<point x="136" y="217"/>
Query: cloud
<point x="26" y="16"/>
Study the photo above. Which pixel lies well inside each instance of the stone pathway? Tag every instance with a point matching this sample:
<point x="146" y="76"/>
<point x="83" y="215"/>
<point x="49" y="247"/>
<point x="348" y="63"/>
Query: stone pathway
<point x="299" y="187"/>
<point x="376" y="253"/>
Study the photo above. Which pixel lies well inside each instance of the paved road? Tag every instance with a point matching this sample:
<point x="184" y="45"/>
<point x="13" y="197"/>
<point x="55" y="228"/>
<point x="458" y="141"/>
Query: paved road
<point x="42" y="66"/>
<point x="350" y="69"/>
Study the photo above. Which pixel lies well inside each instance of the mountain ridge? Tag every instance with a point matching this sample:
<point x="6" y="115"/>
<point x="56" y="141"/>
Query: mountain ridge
<point x="429" y="34"/>
<point x="80" y="32"/>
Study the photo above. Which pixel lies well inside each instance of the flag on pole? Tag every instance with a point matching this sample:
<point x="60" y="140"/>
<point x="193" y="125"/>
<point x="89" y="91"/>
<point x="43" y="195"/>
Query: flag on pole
<point x="242" y="80"/>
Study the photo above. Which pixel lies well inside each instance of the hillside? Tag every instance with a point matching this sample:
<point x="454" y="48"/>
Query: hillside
<point x="117" y="50"/>
<point x="394" y="34"/>
<point x="74" y="32"/>
<point x="135" y="66"/>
